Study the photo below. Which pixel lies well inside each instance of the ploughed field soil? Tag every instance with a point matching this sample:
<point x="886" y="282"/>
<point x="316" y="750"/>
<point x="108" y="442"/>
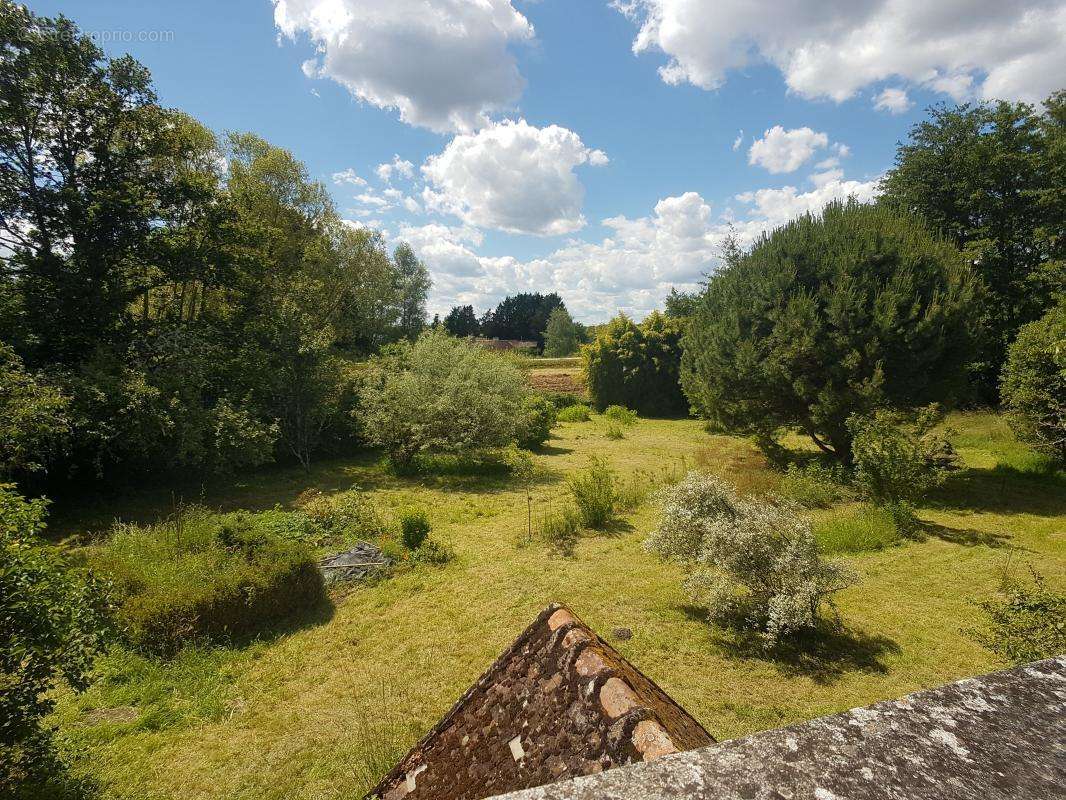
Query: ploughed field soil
<point x="320" y="709"/>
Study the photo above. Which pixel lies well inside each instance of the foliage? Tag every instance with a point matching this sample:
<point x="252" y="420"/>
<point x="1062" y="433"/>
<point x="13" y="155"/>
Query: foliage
<point x="991" y="177"/>
<point x="613" y="430"/>
<point x="188" y="295"/>
<point x="857" y="530"/>
<point x="681" y="305"/>
<point x="563" y="336"/>
<point x="461" y="321"/>
<point x="595" y="493"/>
<point x="344" y="515"/>
<point x="201" y="576"/>
<point x="560" y="400"/>
<point x="1034" y="384"/>
<point x="578" y="412"/>
<point x="32" y="417"/>
<point x="621" y="415"/>
<point x="637" y="366"/>
<point x="1026" y="622"/>
<point x="814" y="485"/>
<point x="441" y="395"/>
<point x="413" y="284"/>
<point x="752" y="563"/>
<point x="522" y="316"/>
<point x="897" y="463"/>
<point x="833" y="314"/>
<point x="538" y="418"/>
<point x="53" y="622"/>
<point x="414" y="527"/>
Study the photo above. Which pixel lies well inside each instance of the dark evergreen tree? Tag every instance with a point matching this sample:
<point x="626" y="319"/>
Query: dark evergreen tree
<point x="462" y="321"/>
<point x="521" y="316"/>
<point x="853" y="309"/>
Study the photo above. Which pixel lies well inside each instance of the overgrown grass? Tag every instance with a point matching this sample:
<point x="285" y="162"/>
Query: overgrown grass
<point x="296" y="715"/>
<point x="855" y="530"/>
<point x="575" y="413"/>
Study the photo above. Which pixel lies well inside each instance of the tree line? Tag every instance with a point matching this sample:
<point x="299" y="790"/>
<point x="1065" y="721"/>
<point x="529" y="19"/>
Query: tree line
<point x="169" y="299"/>
<point x="528" y="317"/>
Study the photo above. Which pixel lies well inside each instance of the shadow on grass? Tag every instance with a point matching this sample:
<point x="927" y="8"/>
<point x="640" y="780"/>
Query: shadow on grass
<point x="824" y="654"/>
<point x="312" y="616"/>
<point x="1003" y="489"/>
<point x="967" y="537"/>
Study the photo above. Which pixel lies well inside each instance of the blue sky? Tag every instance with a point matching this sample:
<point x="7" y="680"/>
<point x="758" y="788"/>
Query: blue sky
<point x="580" y="146"/>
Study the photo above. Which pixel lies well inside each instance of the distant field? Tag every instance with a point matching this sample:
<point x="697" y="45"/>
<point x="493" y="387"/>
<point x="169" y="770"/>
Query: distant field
<point x="537" y="363"/>
<point x="570" y="381"/>
<point x="320" y="710"/>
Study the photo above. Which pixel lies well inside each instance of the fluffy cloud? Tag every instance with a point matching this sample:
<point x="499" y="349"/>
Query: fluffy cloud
<point x="443" y="64"/>
<point x="633" y="268"/>
<point x="397" y="166"/>
<point x="511" y="176"/>
<point x="894" y="101"/>
<point x="1009" y="49"/>
<point x="348" y="176"/>
<point x="785" y="151"/>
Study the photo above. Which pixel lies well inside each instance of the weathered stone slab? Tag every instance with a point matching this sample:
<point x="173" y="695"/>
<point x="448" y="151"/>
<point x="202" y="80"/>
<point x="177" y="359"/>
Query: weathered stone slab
<point x="997" y="737"/>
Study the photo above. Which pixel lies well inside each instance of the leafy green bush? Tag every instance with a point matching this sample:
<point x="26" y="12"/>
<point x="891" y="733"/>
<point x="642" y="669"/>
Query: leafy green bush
<point x="637" y="366"/>
<point x="855" y="531"/>
<point x="575" y="413"/>
<point x="1034" y="384"/>
<point x="1026" y="623"/>
<point x="202" y="576"/>
<point x="32" y="417"/>
<point x="560" y="400"/>
<point x="620" y="414"/>
<point x="560" y="529"/>
<point x="414" y="527"/>
<point x="897" y="461"/>
<point x="441" y="395"/>
<point x="834" y="314"/>
<point x="814" y="485"/>
<point x="594" y="491"/>
<point x="752" y="563"/>
<point x="53" y="622"/>
<point x="538" y="419"/>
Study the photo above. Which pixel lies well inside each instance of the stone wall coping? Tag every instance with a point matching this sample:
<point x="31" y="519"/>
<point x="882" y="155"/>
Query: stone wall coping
<point x="1000" y="736"/>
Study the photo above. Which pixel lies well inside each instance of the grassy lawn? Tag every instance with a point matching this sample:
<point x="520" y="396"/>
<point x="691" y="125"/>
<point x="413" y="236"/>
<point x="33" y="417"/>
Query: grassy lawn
<point x="319" y="710"/>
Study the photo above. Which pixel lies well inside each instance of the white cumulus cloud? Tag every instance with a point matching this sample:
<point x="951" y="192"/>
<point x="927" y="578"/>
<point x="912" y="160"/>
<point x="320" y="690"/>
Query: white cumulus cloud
<point x="511" y="176"/>
<point x="349" y="176"/>
<point x="894" y="101"/>
<point x="1008" y="49"/>
<point x="398" y="166"/>
<point x="785" y="151"/>
<point x="443" y="64"/>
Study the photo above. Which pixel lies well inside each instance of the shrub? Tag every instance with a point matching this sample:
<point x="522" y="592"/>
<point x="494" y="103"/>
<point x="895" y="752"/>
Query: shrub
<point x="897" y="462"/>
<point x="414" y="527"/>
<point x="441" y="395"/>
<point x="637" y="366"/>
<point x="560" y="528"/>
<point x="594" y="491"/>
<point x="53" y="622"/>
<point x="201" y="576"/>
<point x="843" y="312"/>
<point x="855" y="531"/>
<point x="1034" y="384"/>
<point x="538" y="419"/>
<point x="560" y="400"/>
<point x="575" y="413"/>
<point x="752" y="563"/>
<point x="614" y="431"/>
<point x="813" y="485"/>
<point x="32" y="417"/>
<point x="621" y="415"/>
<point x="1026" y="623"/>
<point x="345" y="515"/>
